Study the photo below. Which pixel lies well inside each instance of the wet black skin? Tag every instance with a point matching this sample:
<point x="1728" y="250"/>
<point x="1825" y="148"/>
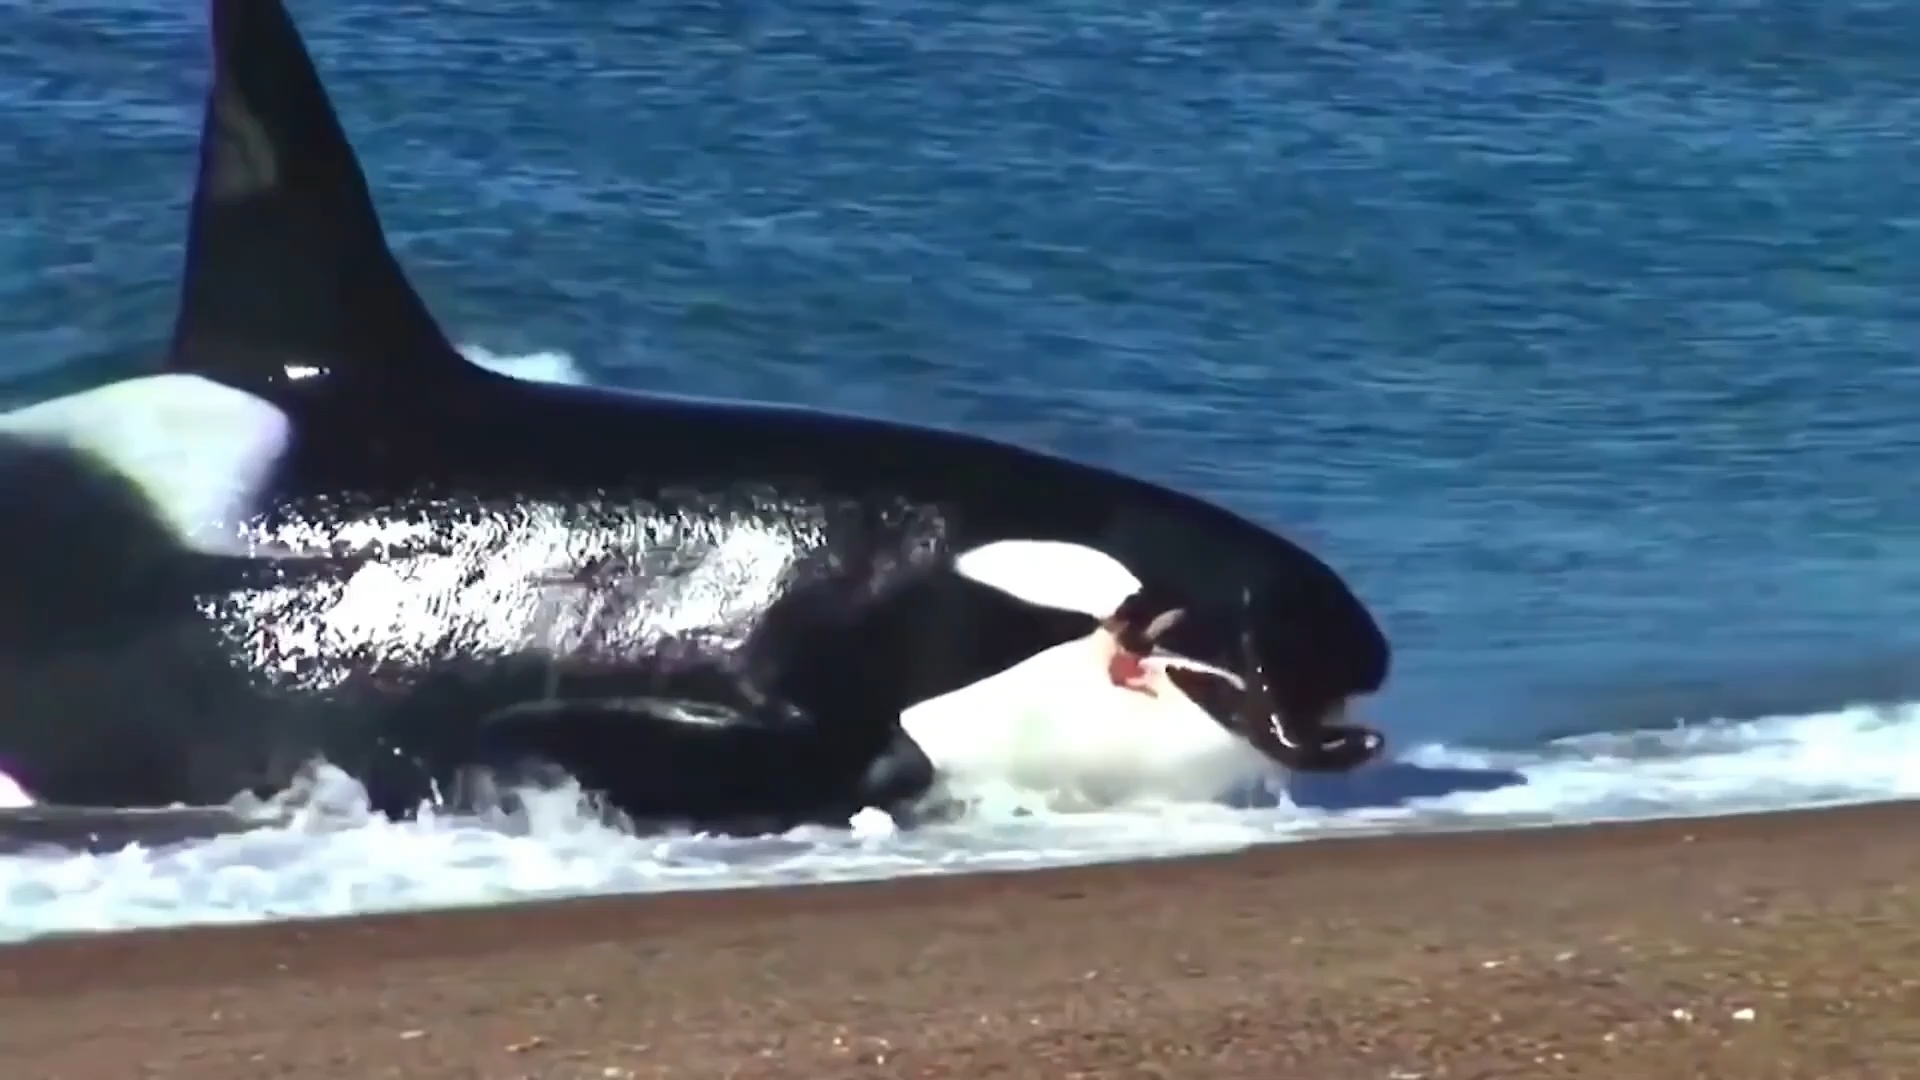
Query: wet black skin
<point x="138" y="672"/>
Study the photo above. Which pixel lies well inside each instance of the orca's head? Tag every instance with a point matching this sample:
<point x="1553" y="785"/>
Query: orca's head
<point x="1278" y="664"/>
<point x="1275" y="696"/>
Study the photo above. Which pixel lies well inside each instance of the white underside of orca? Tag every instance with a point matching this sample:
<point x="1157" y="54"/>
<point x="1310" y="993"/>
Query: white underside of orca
<point x="199" y="450"/>
<point x="1055" y="724"/>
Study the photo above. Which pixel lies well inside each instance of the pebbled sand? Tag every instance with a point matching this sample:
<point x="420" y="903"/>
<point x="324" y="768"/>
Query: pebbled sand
<point x="1735" y="949"/>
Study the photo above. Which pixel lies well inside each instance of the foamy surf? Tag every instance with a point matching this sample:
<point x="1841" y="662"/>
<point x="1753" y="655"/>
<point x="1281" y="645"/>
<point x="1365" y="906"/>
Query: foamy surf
<point x="343" y="862"/>
<point x="335" y="859"/>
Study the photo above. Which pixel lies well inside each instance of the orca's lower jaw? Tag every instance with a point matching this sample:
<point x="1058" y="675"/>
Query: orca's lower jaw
<point x="1321" y="744"/>
<point x="1300" y="738"/>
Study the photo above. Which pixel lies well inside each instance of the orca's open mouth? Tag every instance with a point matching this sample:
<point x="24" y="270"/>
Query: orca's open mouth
<point x="1297" y="739"/>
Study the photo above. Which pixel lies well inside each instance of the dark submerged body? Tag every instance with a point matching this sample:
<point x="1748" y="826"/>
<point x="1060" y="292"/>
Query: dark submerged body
<point x="540" y="552"/>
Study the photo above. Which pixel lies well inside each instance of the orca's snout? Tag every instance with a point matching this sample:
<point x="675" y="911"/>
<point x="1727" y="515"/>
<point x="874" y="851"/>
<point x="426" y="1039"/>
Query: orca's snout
<point x="1296" y="715"/>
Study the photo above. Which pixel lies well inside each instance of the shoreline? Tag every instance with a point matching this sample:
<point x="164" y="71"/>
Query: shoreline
<point x="1387" y="834"/>
<point x="1778" y="944"/>
<point x="1357" y="834"/>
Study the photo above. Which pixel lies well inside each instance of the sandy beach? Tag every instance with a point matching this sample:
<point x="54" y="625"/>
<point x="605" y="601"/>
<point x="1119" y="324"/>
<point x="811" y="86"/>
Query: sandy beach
<point x="1741" y="948"/>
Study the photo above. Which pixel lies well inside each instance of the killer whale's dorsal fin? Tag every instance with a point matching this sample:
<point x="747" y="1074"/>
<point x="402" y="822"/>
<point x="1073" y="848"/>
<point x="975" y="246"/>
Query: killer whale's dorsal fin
<point x="288" y="273"/>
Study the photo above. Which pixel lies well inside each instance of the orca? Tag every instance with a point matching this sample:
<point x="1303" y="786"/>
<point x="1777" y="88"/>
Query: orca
<point x="316" y="530"/>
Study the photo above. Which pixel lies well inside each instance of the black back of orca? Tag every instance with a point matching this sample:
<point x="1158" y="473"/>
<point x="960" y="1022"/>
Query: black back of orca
<point x="544" y="548"/>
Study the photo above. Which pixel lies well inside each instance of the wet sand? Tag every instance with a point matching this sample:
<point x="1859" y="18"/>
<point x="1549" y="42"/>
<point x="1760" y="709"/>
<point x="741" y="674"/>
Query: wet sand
<point x="1734" y="949"/>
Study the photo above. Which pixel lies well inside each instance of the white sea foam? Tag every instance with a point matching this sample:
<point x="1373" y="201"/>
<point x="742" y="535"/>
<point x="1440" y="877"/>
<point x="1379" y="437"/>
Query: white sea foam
<point x="345" y="861"/>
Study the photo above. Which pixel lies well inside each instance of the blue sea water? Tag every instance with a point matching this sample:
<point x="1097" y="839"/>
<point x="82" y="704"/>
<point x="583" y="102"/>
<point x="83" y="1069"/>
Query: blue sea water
<point x="1578" y="333"/>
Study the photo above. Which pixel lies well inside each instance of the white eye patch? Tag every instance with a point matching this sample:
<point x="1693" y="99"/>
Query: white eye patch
<point x="1052" y="574"/>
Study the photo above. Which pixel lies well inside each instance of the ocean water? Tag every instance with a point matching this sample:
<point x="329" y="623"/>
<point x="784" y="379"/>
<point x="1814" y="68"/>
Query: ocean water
<point x="1579" y="334"/>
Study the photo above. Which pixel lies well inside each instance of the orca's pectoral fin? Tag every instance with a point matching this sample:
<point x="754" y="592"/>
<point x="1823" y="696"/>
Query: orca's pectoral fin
<point x="677" y="711"/>
<point x="652" y="758"/>
<point x="605" y="743"/>
<point x="712" y="766"/>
